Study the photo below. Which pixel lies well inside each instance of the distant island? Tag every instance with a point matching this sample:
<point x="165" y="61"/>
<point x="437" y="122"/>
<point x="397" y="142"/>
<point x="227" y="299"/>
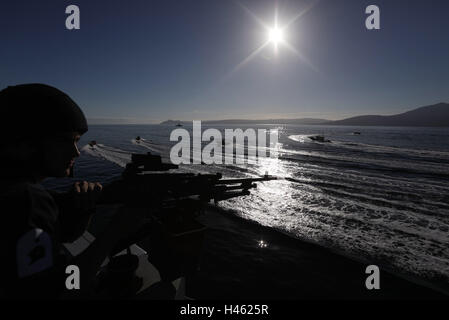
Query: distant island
<point x="247" y="121"/>
<point x="436" y="115"/>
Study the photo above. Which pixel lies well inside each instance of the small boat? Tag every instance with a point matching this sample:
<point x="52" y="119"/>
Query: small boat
<point x="319" y="139"/>
<point x="356" y="132"/>
<point x="178" y="125"/>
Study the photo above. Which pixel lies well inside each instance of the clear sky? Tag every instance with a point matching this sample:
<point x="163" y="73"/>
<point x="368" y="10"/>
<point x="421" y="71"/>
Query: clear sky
<point x="145" y="60"/>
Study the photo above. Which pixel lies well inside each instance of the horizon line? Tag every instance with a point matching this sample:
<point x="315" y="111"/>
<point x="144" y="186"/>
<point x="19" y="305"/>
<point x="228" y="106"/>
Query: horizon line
<point x="137" y="121"/>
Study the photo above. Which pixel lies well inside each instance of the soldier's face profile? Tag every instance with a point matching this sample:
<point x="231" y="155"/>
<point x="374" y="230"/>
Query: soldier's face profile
<point x="60" y="151"/>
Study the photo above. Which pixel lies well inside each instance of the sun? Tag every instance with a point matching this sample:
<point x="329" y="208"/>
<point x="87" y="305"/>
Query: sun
<point x="275" y="36"/>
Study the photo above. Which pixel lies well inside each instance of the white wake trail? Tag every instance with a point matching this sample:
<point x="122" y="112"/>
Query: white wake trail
<point x="117" y="156"/>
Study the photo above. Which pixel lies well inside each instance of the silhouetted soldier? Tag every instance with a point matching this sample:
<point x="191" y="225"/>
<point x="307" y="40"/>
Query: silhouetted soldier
<point x="42" y="126"/>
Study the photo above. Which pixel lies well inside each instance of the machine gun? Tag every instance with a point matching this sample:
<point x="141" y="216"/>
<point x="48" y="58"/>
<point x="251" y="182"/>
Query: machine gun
<point x="173" y="201"/>
<point x="144" y="183"/>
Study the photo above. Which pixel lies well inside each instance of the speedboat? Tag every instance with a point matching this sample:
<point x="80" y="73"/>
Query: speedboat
<point x="319" y="139"/>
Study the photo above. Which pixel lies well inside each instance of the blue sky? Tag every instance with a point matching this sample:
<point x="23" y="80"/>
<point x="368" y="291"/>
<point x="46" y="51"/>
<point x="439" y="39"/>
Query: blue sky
<point x="147" y="61"/>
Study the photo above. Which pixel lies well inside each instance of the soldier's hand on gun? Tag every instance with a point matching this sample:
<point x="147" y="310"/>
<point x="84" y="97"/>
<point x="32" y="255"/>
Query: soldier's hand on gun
<point x="85" y="195"/>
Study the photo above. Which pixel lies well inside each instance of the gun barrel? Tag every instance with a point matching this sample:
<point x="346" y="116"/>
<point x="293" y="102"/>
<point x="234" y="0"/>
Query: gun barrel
<point x="246" y="180"/>
<point x="243" y="186"/>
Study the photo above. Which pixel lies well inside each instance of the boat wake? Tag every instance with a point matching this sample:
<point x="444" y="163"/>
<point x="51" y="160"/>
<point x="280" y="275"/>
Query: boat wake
<point x="383" y="204"/>
<point x="117" y="156"/>
<point x="158" y="149"/>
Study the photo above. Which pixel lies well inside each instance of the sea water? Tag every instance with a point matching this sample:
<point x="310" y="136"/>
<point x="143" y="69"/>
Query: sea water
<point x="381" y="196"/>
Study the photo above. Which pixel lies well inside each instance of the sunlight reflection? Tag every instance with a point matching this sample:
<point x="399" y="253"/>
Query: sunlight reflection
<point x="262" y="244"/>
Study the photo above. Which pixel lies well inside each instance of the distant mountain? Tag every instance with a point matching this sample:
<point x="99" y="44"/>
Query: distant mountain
<point x="269" y="121"/>
<point x="174" y="122"/>
<point x="436" y="115"/>
<point x="117" y="121"/>
<point x="246" y="121"/>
